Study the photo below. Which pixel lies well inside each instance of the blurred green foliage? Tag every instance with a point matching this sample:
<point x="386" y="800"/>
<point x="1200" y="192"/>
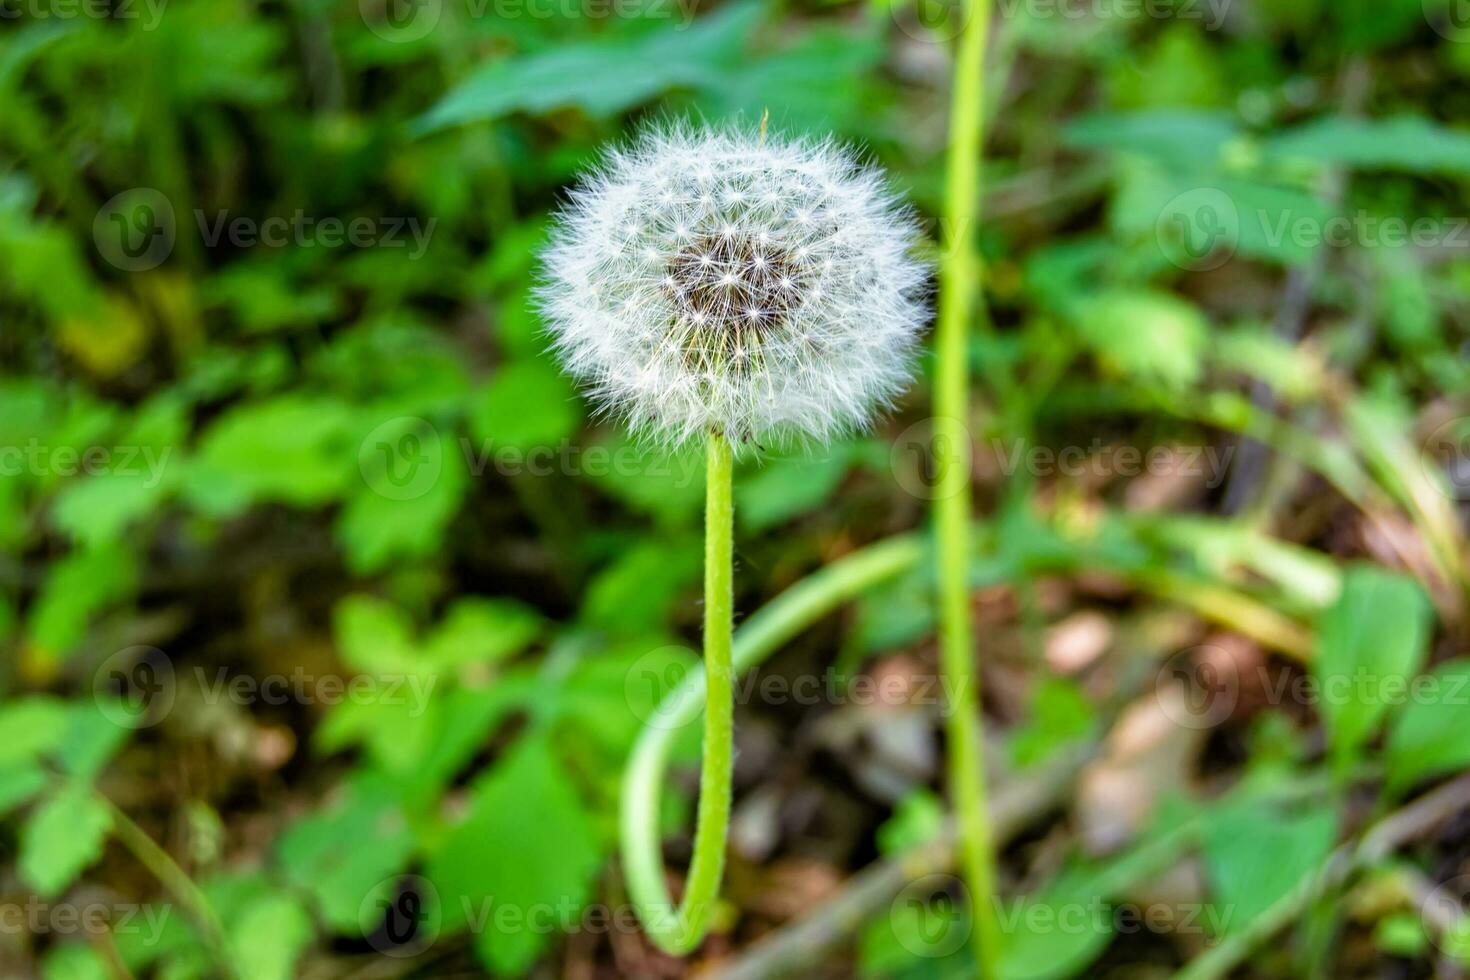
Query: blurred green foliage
<point x="286" y="445"/>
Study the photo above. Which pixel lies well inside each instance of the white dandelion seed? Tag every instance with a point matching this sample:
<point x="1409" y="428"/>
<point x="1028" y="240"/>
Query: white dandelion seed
<point x="762" y="288"/>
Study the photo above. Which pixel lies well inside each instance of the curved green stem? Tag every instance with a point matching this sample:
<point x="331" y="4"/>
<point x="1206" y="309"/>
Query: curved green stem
<point x="679" y="930"/>
<point x="959" y="276"/>
<point x="675" y="929"/>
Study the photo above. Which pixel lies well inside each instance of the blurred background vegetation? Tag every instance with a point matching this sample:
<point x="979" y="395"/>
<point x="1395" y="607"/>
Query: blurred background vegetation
<point x="275" y="415"/>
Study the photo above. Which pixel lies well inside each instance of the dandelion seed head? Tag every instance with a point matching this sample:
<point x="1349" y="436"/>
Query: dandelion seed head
<point x="703" y="280"/>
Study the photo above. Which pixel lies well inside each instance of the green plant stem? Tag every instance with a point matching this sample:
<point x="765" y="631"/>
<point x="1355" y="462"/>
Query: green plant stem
<point x="959" y="276"/>
<point x="174" y="879"/>
<point x="678" y="931"/>
<point x="760" y="636"/>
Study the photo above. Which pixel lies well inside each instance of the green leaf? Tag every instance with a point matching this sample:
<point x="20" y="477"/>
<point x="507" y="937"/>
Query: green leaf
<point x="918" y="819"/>
<point x="1401" y="934"/>
<point x="19" y="783"/>
<point x="30" y="727"/>
<point x="77" y="588"/>
<point x="1255" y="855"/>
<point x="294" y="449"/>
<point x="1431" y="734"/>
<point x="894" y="614"/>
<point x="62" y="836"/>
<point x="374" y="635"/>
<point x="528" y="405"/>
<point x="601" y="77"/>
<point x="91" y="739"/>
<point x="785" y="488"/>
<point x="637" y="592"/>
<point x="387" y="521"/>
<point x="482" y="631"/>
<point x="497" y="867"/>
<point x="135" y="477"/>
<point x="1369" y="645"/>
<point x="795" y="81"/>
<point x="1181" y="68"/>
<point x="75" y="961"/>
<point x="1060" y="715"/>
<point x="667" y="485"/>
<point x="1151" y="336"/>
<point x="613" y="693"/>
<point x="1411" y="144"/>
<point x="268" y="936"/>
<point x="342" y="878"/>
<point x="1179" y="136"/>
<point x="1055" y="934"/>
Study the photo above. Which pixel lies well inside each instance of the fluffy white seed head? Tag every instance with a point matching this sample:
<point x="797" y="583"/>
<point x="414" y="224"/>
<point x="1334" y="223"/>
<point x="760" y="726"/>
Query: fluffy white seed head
<point x="765" y="288"/>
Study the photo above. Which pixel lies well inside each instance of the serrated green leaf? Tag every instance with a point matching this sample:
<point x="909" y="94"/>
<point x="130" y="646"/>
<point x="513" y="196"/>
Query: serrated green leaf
<point x="497" y="863"/>
<point x="341" y="878"/>
<point x="62" y="837"/>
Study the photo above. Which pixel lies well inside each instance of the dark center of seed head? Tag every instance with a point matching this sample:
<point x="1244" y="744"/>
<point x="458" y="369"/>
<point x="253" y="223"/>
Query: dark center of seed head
<point x="732" y="282"/>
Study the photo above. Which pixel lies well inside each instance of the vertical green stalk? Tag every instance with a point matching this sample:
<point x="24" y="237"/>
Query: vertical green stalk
<point x="959" y="276"/>
<point x="679" y="931"/>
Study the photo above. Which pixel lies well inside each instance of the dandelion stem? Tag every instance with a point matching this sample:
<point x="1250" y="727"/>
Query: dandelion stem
<point x="959" y="275"/>
<point x="679" y="931"/>
<point x="765" y="632"/>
